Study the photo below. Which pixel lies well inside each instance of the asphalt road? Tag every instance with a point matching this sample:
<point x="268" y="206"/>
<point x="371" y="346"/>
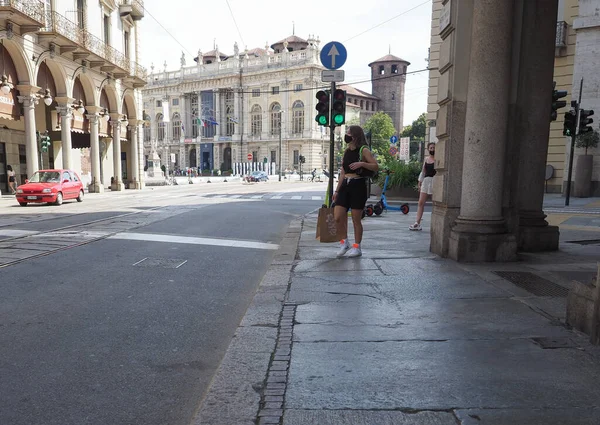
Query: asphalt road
<point x="122" y="331"/>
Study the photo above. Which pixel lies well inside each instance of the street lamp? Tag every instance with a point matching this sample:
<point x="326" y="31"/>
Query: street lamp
<point x="280" y="157"/>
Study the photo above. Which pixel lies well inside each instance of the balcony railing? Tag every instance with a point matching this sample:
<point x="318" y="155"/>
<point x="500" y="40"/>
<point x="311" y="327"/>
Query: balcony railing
<point x="562" y="31"/>
<point x="31" y="8"/>
<point x="56" y="23"/>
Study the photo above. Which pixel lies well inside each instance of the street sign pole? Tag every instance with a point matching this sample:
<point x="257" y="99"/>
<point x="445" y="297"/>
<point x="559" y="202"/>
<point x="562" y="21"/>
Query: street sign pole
<point x="331" y="149"/>
<point x="573" y="136"/>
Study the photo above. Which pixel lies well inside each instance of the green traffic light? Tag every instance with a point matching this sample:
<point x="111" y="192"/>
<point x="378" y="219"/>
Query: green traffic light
<point x="338" y="119"/>
<point x="322" y="120"/>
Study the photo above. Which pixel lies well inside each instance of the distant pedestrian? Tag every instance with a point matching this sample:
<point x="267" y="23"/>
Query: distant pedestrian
<point x="12" y="180"/>
<point x="425" y="185"/>
<point x="358" y="164"/>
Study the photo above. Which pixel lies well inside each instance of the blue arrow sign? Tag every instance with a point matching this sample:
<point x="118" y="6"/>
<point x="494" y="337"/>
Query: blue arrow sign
<point x="393" y="140"/>
<point x="333" y="55"/>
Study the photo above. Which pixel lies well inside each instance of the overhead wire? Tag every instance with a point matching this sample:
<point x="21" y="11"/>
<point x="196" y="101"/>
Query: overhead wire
<point x="234" y="21"/>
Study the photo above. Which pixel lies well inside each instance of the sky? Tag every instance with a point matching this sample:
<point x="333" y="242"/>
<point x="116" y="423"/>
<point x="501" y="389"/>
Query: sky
<point x="360" y="25"/>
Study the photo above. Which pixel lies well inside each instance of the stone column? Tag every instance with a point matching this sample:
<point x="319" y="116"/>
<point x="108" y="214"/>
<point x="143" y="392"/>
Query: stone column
<point x="29" y="100"/>
<point x="532" y="130"/>
<point x="96" y="185"/>
<point x="135" y="156"/>
<point x="480" y="232"/>
<point x="217" y="114"/>
<point x="65" y="111"/>
<point x="141" y="158"/>
<point x="117" y="172"/>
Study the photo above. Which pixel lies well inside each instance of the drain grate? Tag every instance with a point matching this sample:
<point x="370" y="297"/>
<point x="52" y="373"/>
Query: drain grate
<point x="166" y="263"/>
<point x="587" y="242"/>
<point x="535" y="284"/>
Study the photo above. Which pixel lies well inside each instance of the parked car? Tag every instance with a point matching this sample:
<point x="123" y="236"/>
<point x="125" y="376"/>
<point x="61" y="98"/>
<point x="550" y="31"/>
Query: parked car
<point x="257" y="176"/>
<point x="50" y="186"/>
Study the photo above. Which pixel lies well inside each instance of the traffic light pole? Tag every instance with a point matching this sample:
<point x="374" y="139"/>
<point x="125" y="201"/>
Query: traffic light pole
<point x="572" y="152"/>
<point x="331" y="149"/>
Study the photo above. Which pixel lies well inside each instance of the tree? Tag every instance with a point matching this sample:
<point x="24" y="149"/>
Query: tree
<point x="587" y="140"/>
<point x="381" y="127"/>
<point x="416" y="131"/>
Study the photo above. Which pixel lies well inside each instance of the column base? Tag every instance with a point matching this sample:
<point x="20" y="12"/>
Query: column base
<point x="135" y="185"/>
<point x="538" y="239"/>
<point x="117" y="187"/>
<point x="96" y="188"/>
<point x="442" y="219"/>
<point x="479" y="241"/>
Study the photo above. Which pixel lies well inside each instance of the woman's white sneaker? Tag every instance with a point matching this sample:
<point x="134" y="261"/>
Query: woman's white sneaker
<point x="344" y="247"/>
<point x="416" y="226"/>
<point x="355" y="251"/>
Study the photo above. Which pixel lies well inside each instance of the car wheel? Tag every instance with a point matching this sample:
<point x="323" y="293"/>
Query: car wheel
<point x="80" y="197"/>
<point x="59" y="199"/>
<point x="23" y="204"/>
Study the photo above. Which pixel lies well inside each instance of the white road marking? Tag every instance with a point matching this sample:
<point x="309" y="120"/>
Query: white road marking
<point x="257" y="196"/>
<point x="231" y="243"/>
<point x="276" y="197"/>
<point x="141" y="261"/>
<point x="317" y="198"/>
<point x="15" y="233"/>
<point x="181" y="264"/>
<point x="296" y="198"/>
<point x="235" y="196"/>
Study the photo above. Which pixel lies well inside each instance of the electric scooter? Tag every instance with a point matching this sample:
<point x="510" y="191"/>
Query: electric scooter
<point x="383" y="205"/>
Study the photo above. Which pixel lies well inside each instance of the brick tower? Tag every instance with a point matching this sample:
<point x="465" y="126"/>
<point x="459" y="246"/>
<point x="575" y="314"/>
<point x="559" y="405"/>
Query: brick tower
<point x="388" y="76"/>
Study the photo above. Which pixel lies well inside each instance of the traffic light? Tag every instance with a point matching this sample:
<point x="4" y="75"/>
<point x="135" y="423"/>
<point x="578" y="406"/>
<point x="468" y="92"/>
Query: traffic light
<point x="557" y="104"/>
<point x="45" y="143"/>
<point x="302" y="159"/>
<point x="338" y="109"/>
<point x="323" y="107"/>
<point x="585" y="121"/>
<point x="570" y="124"/>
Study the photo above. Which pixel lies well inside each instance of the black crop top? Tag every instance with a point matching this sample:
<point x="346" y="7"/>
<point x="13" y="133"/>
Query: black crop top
<point x="350" y="156"/>
<point x="429" y="170"/>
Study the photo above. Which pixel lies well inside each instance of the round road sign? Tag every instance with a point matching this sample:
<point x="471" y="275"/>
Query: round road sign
<point x="249" y="157"/>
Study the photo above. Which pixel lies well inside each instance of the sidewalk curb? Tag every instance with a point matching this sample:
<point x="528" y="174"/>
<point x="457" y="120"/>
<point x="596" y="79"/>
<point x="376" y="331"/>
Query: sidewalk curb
<point x="240" y="384"/>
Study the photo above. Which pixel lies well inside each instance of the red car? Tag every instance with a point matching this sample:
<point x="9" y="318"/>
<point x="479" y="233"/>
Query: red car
<point x="50" y="186"/>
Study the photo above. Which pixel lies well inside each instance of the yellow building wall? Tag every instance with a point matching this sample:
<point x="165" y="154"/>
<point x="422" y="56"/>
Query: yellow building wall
<point x="563" y="75"/>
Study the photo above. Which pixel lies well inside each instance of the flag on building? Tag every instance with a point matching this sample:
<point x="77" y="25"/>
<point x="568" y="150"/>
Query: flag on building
<point x="182" y="129"/>
<point x="233" y="120"/>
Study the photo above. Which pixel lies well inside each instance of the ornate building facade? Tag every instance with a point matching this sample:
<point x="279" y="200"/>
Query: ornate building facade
<point x="72" y="74"/>
<point x="230" y="109"/>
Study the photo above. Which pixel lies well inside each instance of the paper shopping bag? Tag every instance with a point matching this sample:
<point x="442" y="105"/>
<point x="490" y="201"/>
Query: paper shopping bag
<point x="326" y="227"/>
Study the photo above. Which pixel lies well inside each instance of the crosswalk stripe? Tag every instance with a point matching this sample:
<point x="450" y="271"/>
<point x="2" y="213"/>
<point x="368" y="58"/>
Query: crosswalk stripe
<point x="257" y="196"/>
<point x="276" y="197"/>
<point x="296" y="197"/>
<point x="236" y="196"/>
<point x="317" y="198"/>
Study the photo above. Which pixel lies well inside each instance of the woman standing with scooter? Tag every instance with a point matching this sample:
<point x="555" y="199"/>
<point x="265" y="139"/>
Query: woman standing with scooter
<point x="358" y="164"/>
<point x="425" y="185"/>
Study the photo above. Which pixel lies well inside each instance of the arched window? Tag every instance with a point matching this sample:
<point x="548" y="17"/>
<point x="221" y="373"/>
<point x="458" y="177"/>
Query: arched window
<point x="275" y="119"/>
<point x="256" y="120"/>
<point x="176" y="127"/>
<point x="161" y="128"/>
<point x="297" y="117"/>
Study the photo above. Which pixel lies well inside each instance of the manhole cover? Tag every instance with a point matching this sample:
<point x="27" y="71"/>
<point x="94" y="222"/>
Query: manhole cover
<point x="166" y="263"/>
<point x="587" y="242"/>
<point x="535" y="284"/>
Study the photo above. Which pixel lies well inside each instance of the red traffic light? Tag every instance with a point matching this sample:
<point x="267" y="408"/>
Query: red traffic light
<point x="339" y="94"/>
<point x="322" y="96"/>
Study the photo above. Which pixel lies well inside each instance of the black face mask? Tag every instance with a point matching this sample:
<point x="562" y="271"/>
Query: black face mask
<point x="432" y="153"/>
<point x="347" y="138"/>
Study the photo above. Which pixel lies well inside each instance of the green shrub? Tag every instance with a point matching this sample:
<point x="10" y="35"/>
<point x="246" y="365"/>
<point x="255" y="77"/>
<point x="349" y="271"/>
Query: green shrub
<point x="403" y="174"/>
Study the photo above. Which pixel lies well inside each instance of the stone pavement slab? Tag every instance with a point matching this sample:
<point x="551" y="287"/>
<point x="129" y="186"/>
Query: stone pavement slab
<point x="402" y="336"/>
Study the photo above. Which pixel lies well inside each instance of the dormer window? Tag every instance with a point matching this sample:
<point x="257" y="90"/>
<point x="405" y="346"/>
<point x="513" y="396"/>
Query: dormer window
<point x="381" y="70"/>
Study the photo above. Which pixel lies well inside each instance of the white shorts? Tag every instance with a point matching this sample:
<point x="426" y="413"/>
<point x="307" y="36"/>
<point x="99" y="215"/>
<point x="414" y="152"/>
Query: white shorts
<point x="427" y="185"/>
